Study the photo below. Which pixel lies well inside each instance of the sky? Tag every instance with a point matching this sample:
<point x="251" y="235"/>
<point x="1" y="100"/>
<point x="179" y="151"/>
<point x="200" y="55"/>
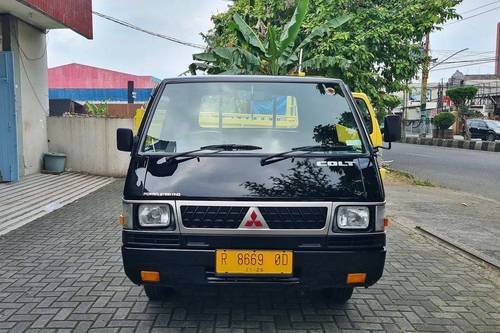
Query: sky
<point x="122" y="49"/>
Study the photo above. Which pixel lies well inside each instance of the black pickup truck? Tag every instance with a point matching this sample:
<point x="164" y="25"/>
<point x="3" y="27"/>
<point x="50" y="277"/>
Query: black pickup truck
<point x="253" y="180"/>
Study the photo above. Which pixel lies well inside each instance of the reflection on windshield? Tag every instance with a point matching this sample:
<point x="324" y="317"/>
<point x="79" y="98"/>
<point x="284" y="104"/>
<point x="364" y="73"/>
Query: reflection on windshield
<point x="274" y="116"/>
<point x="307" y="180"/>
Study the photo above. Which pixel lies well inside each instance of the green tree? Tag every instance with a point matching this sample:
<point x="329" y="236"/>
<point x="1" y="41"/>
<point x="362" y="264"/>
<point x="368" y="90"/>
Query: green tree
<point x="275" y="53"/>
<point x="462" y="98"/>
<point x="375" y="52"/>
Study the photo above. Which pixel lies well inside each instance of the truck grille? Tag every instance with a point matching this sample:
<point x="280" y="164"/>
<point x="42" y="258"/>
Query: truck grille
<point x="230" y="217"/>
<point x="226" y="217"/>
<point x="294" y="217"/>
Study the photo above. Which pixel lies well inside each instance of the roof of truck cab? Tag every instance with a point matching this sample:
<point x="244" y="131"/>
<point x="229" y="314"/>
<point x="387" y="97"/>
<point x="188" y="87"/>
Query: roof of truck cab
<point x="250" y="78"/>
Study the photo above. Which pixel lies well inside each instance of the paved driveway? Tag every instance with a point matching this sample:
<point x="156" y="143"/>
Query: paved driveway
<point x="64" y="273"/>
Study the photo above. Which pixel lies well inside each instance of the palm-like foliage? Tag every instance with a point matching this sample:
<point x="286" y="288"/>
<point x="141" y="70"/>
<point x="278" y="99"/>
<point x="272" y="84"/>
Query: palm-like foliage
<point x="277" y="54"/>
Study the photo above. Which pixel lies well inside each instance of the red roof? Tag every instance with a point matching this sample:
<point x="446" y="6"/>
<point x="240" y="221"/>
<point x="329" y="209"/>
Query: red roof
<point x="75" y="14"/>
<point x="77" y="76"/>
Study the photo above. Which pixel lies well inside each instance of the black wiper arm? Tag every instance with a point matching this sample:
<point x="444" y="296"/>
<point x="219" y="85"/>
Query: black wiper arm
<point x="175" y="156"/>
<point x="286" y="154"/>
<point x="215" y="148"/>
<point x="231" y="147"/>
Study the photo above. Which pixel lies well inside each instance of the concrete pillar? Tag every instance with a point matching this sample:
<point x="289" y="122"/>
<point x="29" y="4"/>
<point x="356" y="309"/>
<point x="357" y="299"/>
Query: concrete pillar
<point x="32" y="101"/>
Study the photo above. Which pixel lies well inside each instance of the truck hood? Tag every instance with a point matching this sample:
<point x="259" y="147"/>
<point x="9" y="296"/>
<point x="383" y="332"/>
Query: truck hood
<point x="243" y="178"/>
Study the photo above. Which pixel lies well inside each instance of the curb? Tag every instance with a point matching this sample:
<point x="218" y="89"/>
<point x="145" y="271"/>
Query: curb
<point x="491" y="146"/>
<point x="464" y="248"/>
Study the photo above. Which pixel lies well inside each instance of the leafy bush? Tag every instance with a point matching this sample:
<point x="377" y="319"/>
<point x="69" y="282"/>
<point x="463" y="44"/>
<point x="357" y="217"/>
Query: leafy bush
<point x="443" y="120"/>
<point x="97" y="110"/>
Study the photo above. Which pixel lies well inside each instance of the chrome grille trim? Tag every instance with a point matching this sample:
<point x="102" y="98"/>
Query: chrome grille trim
<point x="327" y="230"/>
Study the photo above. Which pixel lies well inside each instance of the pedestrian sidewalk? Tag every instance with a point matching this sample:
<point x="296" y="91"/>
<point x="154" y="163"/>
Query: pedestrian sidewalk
<point x="40" y="194"/>
<point x="468" y="221"/>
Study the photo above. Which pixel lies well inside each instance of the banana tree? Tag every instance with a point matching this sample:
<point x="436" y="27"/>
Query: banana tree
<point x="276" y="54"/>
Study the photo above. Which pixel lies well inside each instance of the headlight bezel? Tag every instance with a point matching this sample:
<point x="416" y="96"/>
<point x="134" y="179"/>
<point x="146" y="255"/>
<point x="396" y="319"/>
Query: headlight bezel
<point x="165" y="206"/>
<point x="369" y="226"/>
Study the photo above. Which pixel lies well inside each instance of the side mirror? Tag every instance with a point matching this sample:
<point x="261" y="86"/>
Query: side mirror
<point x="124" y="139"/>
<point x="392" y="128"/>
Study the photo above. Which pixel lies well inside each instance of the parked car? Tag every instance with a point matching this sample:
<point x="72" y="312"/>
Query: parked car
<point x="253" y="180"/>
<point x="484" y="129"/>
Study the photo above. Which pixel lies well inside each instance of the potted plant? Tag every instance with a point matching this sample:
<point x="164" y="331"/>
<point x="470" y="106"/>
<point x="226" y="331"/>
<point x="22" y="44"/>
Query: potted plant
<point x="443" y="121"/>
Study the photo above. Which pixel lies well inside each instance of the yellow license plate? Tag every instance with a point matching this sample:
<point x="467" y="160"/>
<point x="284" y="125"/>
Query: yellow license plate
<point x="242" y="262"/>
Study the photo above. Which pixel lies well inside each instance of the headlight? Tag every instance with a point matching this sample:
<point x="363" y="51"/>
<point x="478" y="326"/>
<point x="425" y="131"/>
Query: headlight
<point x="155" y="215"/>
<point x="353" y="217"/>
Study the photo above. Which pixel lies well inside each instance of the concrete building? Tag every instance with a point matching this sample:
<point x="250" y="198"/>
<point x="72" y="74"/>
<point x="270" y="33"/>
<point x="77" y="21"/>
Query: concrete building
<point x="24" y="77"/>
<point x="82" y="83"/>
<point x="487" y="99"/>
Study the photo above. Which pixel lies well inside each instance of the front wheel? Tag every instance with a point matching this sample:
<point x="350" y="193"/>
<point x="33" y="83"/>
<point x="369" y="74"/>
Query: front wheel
<point x="491" y="137"/>
<point x="338" y="295"/>
<point x="157" y="293"/>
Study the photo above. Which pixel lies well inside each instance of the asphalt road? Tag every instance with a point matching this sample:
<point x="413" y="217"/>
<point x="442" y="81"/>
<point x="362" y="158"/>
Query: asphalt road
<point x="460" y="169"/>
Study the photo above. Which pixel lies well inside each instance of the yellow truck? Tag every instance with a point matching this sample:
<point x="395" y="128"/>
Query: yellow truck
<point x="371" y="122"/>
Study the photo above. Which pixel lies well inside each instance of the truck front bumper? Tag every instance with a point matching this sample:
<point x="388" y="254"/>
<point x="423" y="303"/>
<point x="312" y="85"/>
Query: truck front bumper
<point x="313" y="269"/>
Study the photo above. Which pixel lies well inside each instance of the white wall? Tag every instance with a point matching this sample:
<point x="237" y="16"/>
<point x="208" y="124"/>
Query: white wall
<point x="90" y="144"/>
<point x="32" y="103"/>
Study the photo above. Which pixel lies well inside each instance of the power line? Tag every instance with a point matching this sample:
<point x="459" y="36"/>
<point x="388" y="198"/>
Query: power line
<point x="131" y="26"/>
<point x="29" y="79"/>
<point x="474" y="9"/>
<point x="454" y="54"/>
<point x="465" y="54"/>
<point x="466" y="65"/>
<point x="44" y="51"/>
<point x="469" y="61"/>
<point x="472" y="16"/>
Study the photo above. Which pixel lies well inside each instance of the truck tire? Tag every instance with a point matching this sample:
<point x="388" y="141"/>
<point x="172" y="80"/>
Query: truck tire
<point x="157" y="293"/>
<point x="491" y="137"/>
<point x="338" y="295"/>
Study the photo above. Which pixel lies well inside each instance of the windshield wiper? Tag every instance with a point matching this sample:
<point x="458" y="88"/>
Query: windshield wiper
<point x="231" y="147"/>
<point x="215" y="148"/>
<point x="287" y="154"/>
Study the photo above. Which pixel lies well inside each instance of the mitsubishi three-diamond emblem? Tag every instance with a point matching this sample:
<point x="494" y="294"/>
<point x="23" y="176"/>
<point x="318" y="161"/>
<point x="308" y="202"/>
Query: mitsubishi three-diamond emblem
<point x="253" y="220"/>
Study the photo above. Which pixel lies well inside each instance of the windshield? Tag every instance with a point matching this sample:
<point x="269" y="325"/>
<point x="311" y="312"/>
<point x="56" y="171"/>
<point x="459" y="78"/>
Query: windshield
<point x="274" y="116"/>
<point x="493" y="124"/>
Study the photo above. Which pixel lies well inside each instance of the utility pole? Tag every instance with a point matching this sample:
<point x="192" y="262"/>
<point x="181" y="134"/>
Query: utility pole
<point x="423" y="97"/>
<point x="440" y="97"/>
<point x="405" y="106"/>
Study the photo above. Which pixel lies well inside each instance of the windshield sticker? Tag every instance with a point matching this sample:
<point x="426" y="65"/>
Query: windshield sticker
<point x="335" y="163"/>
<point x="330" y="91"/>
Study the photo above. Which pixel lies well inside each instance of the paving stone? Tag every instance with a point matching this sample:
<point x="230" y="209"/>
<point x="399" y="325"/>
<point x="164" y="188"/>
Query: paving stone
<point x="63" y="272"/>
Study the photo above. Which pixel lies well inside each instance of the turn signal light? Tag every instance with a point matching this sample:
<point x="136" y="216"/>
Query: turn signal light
<point x="148" y="276"/>
<point x="121" y="220"/>
<point x="355" y="278"/>
<point x="386" y="222"/>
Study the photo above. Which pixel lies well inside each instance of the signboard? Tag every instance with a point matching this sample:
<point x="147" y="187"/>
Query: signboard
<point x="415" y="94"/>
